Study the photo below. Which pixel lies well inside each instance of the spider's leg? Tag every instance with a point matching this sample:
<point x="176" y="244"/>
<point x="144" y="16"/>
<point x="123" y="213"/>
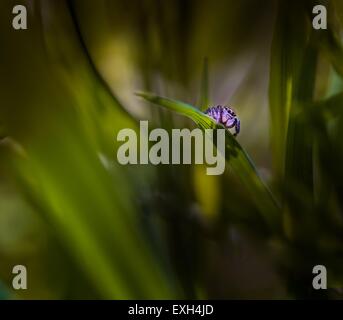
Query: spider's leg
<point x="237" y="127"/>
<point x="230" y="123"/>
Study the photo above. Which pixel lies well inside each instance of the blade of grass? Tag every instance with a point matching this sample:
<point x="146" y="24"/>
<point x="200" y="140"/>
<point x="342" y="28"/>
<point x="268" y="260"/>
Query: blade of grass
<point x="298" y="162"/>
<point x="96" y="220"/>
<point x="329" y="40"/>
<point x="180" y="107"/>
<point x="235" y="155"/>
<point x="288" y="46"/>
<point x="298" y="179"/>
<point x="204" y="90"/>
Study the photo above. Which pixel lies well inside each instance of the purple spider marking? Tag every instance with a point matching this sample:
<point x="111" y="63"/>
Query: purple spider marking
<point x="226" y="116"/>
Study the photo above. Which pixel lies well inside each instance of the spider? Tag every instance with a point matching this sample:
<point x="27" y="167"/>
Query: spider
<point x="226" y="116"/>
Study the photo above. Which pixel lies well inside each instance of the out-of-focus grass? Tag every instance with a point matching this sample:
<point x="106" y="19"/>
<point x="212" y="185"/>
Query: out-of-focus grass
<point x="287" y="53"/>
<point x="97" y="223"/>
<point x="106" y="231"/>
<point x="64" y="172"/>
<point x="204" y="89"/>
<point x="300" y="139"/>
<point x="3" y="292"/>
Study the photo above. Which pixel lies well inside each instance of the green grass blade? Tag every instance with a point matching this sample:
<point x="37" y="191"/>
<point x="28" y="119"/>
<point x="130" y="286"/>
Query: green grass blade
<point x="299" y="148"/>
<point x="329" y="41"/>
<point x="204" y="98"/>
<point x="235" y="155"/>
<point x="180" y="107"/>
<point x="289" y="41"/>
<point x="96" y="221"/>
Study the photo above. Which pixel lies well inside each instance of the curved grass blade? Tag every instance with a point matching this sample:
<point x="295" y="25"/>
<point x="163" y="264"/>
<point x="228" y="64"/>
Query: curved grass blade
<point x="180" y="107"/>
<point x="96" y="221"/>
<point x="235" y="155"/>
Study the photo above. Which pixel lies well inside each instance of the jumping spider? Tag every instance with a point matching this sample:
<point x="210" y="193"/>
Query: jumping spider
<point x="226" y="116"/>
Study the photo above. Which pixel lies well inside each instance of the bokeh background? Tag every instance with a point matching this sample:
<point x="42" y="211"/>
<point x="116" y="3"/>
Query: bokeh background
<point x="88" y="228"/>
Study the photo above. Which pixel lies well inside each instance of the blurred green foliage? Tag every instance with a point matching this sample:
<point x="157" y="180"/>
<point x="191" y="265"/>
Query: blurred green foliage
<point x="87" y="227"/>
